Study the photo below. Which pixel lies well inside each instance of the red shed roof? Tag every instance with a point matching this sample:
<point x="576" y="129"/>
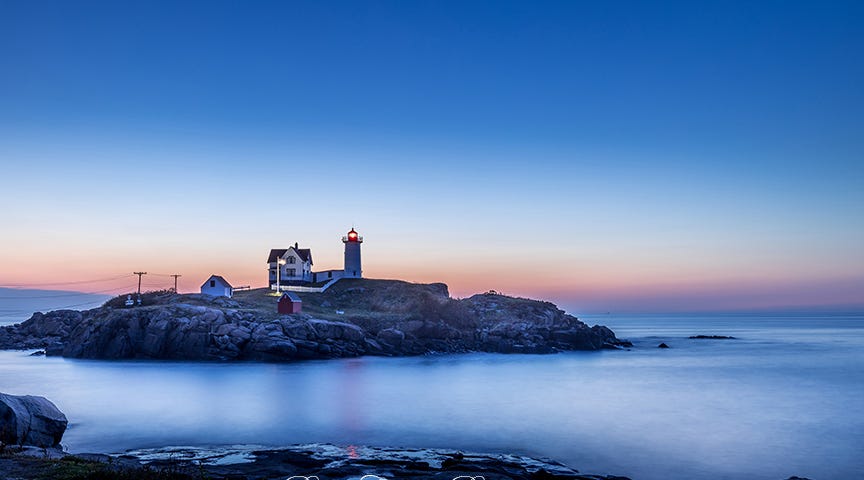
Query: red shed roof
<point x="293" y="297"/>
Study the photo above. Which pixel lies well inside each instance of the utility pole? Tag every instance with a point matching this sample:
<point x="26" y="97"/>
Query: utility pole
<point x="139" y="281"/>
<point x="175" y="281"/>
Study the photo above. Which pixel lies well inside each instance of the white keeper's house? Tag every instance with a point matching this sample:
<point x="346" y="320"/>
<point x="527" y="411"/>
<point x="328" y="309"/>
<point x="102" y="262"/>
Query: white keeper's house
<point x="291" y="268"/>
<point x="296" y="264"/>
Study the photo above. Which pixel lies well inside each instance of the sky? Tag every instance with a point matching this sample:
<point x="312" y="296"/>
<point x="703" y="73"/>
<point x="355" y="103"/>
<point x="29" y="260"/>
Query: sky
<point x="607" y="156"/>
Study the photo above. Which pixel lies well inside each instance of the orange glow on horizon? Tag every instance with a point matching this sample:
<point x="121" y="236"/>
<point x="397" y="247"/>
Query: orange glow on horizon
<point x="557" y="278"/>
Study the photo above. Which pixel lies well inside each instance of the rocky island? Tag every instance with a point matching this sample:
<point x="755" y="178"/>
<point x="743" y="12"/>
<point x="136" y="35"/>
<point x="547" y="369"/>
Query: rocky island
<point x="352" y="318"/>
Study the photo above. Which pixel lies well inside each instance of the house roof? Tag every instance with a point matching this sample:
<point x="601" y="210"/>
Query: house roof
<point x="291" y="296"/>
<point x="275" y="254"/>
<point x="305" y="254"/>
<point x="219" y="278"/>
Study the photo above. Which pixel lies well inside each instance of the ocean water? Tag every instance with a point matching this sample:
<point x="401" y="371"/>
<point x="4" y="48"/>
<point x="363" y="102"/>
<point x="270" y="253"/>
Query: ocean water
<point x="18" y="304"/>
<point x="785" y="398"/>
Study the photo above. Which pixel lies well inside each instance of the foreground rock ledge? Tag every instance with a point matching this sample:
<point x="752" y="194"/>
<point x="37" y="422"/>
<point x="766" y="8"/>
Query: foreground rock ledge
<point x="321" y="460"/>
<point x="332" y="462"/>
<point x="354" y="317"/>
<point x="327" y="462"/>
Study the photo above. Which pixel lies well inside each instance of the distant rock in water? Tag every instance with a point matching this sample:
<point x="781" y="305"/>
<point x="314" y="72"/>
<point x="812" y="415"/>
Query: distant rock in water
<point x="29" y="420"/>
<point x="711" y="337"/>
<point x="379" y="317"/>
<point x="662" y="345"/>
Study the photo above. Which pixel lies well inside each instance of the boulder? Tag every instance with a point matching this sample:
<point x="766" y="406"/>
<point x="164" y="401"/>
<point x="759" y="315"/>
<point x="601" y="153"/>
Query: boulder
<point x="41" y="453"/>
<point x="391" y="337"/>
<point x="53" y="324"/>
<point x="325" y="329"/>
<point x="30" y="420"/>
<point x="270" y="348"/>
<point x="580" y="338"/>
<point x="373" y="347"/>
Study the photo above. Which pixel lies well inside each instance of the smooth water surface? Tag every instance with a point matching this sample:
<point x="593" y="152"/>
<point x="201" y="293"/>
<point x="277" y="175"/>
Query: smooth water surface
<point x="784" y="399"/>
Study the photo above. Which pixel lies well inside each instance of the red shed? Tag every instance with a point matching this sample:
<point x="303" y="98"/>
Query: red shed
<point x="289" y="303"/>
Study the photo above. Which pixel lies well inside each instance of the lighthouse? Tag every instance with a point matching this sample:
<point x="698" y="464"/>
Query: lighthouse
<point x="352" y="243"/>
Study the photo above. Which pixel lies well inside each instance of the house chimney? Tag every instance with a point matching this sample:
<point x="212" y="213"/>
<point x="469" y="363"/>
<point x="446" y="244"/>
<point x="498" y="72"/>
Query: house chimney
<point x="297" y="245"/>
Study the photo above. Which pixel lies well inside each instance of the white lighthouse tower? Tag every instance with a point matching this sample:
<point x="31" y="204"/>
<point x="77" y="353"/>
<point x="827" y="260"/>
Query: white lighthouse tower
<point x="352" y="243"/>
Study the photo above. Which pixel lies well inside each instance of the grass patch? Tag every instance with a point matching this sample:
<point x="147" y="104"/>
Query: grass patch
<point x="72" y="468"/>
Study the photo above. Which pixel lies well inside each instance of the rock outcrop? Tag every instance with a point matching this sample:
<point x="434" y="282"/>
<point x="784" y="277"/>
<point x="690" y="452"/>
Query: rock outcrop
<point x="42" y="331"/>
<point x="379" y="318"/>
<point x="29" y="420"/>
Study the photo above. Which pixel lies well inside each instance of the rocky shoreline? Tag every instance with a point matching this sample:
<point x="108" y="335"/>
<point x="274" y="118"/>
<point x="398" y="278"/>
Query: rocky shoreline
<point x="321" y="461"/>
<point x="353" y="318"/>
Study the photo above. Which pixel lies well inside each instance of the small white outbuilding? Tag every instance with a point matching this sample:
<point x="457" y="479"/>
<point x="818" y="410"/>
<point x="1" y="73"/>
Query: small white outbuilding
<point x="216" y="286"/>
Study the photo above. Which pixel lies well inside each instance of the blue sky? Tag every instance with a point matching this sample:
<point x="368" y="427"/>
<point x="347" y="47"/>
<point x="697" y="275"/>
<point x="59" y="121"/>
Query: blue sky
<point x="686" y="155"/>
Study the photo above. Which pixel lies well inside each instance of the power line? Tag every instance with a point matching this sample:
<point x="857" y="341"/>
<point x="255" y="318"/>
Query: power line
<point x="78" y="282"/>
<point x="61" y="307"/>
<point x="71" y="294"/>
<point x="115" y="291"/>
<point x="76" y="305"/>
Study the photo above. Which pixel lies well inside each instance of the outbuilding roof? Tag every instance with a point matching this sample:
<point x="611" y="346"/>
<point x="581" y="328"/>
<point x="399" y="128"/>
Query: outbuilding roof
<point x="219" y="278"/>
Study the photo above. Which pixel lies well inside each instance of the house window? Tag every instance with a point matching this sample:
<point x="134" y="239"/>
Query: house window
<point x="291" y="259"/>
<point x="292" y="272"/>
<point x="212" y="283"/>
